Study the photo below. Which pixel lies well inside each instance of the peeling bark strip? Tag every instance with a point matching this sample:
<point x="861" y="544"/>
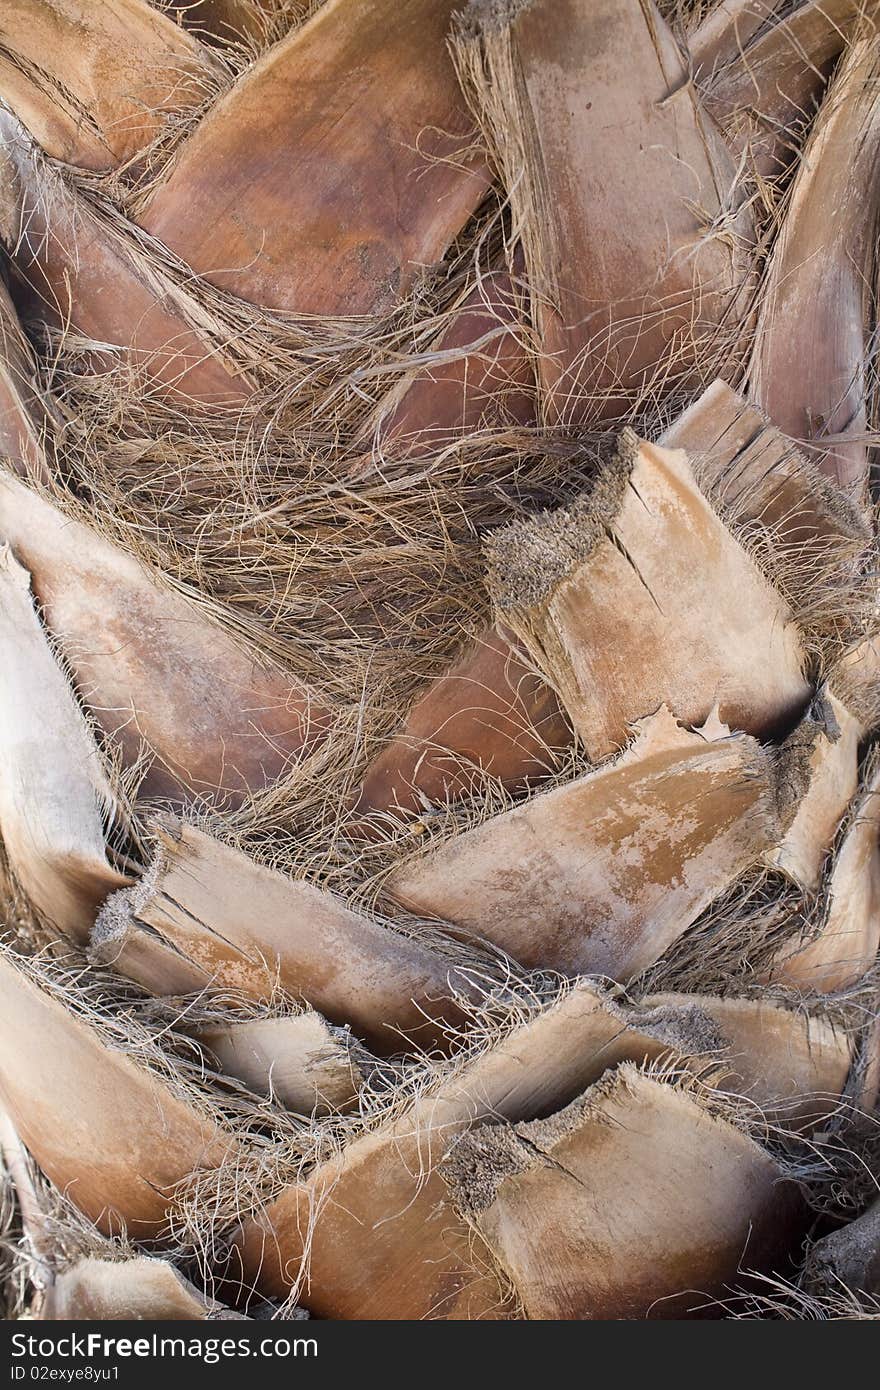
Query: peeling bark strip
<point x="55" y="797"/>
<point x="643" y="566"/>
<point x="372" y="1232"/>
<point x="155" y="670"/>
<point x="847" y="942"/>
<point x="830" y="736"/>
<point x="21" y="411"/>
<point x="482" y="375"/>
<point x="95" y="80"/>
<point x="302" y="1061"/>
<point x="77" y="275"/>
<point x="759" y="475"/>
<point x="142" y="1288"/>
<point x="490" y="715"/>
<point x="104" y="1130"/>
<point x="761" y="97"/>
<point x="602" y="874"/>
<point x="334" y="170"/>
<point x="809" y="365"/>
<point x="620" y="186"/>
<point x="208" y="915"/>
<point x="635" y="1201"/>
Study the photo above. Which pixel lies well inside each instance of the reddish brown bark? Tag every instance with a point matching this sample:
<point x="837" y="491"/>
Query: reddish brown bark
<point x="95" y="80"/>
<point x="158" y="673"/>
<point x="334" y="170"/>
<point x="79" y="275"/>
<point x="488" y="379"/>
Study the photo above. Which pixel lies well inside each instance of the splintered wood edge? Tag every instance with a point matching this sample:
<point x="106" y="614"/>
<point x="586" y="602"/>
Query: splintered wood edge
<point x="480" y="1162"/>
<point x="748" y="1048"/>
<point x="490" y="1156"/>
<point x="707" y="431"/>
<point x="528" y="559"/>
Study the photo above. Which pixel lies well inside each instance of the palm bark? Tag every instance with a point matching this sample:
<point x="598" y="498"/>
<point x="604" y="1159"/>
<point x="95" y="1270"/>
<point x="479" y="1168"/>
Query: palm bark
<point x="95" y="83"/>
<point x="335" y="170"/>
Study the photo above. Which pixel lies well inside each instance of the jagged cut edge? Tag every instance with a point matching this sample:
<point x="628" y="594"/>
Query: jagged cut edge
<point x="527" y="560"/>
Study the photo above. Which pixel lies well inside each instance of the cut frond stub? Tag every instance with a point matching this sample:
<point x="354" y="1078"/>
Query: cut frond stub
<point x="105" y="1130"/>
<point x="300" y="1060"/>
<point x="763" y="97"/>
<point x="849" y="1257"/>
<point x="635" y="248"/>
<point x="642" y="568"/>
<point x="156" y="670"/>
<point x="479" y="375"/>
<point x="141" y="1289"/>
<point x="205" y="914"/>
<point x="65" y="256"/>
<point x="635" y="1201"/>
<point x="95" y="82"/>
<point x="830" y="738"/>
<point x="56" y="800"/>
<point x="339" y="165"/>
<point x="754" y="473"/>
<point x="809" y="365"/>
<point x="846" y="944"/>
<point x="602" y="874"/>
<point x="371" y="1233"/>
<point x="489" y="716"/>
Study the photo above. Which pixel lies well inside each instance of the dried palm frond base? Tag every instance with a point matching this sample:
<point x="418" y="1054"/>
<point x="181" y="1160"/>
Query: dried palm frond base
<point x="439" y="659"/>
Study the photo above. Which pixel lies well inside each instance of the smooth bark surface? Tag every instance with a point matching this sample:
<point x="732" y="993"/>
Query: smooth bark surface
<point x="335" y="170"/>
<point x="481" y="377"/>
<point x="490" y="715"/>
<point x="22" y="418"/>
